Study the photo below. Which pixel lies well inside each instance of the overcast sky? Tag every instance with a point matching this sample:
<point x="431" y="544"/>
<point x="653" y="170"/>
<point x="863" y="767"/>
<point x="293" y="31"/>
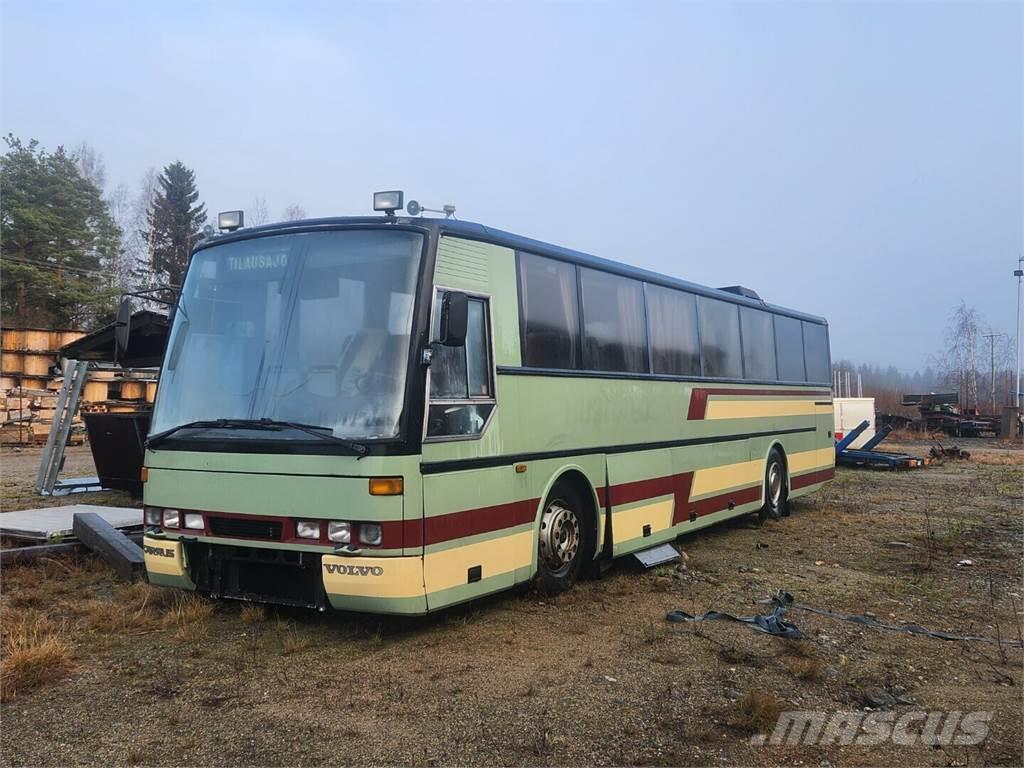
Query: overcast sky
<point x="861" y="161"/>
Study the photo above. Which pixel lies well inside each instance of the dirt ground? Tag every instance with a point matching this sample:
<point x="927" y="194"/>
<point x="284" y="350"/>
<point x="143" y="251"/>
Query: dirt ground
<point x="18" y="468"/>
<point x="137" y="675"/>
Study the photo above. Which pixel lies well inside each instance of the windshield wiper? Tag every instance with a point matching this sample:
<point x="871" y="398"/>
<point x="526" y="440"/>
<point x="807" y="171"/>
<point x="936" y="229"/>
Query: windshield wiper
<point x="272" y="425"/>
<point x="324" y="433"/>
<point x="211" y="424"/>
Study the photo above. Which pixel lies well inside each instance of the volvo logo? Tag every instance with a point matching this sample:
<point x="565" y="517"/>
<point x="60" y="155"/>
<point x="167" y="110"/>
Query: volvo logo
<point x="158" y="551"/>
<point x="354" y="570"/>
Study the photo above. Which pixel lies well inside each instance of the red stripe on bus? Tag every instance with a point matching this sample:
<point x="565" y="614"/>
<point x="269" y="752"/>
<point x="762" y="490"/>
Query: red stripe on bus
<point x="801" y="481"/>
<point x="679" y="487"/>
<point x="396" y="534"/>
<point x="699" y="397"/>
<point x="627" y="493"/>
<point x="721" y="502"/>
<point x="471" y="522"/>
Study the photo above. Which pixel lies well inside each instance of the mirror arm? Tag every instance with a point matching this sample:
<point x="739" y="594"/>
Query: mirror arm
<point x="145" y="294"/>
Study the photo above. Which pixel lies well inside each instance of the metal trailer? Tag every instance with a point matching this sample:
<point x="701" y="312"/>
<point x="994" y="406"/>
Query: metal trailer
<point x="866" y="456"/>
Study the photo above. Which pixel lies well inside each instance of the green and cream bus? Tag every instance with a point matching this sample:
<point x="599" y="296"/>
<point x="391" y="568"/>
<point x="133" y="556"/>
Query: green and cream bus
<point x="397" y="414"/>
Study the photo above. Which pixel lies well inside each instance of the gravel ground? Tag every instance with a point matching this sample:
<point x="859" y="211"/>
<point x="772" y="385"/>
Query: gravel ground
<point x="595" y="677"/>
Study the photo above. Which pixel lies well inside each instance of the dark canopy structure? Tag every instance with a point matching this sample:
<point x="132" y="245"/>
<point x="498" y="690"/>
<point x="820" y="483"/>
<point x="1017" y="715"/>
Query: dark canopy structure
<point x="145" y="343"/>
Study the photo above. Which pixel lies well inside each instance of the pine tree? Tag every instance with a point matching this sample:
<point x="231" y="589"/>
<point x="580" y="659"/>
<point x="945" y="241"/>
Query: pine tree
<point x="175" y="223"/>
<point x="56" y="233"/>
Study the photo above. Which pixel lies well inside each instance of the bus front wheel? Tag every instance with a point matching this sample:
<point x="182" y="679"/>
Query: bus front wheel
<point x="774" y="487"/>
<point x="565" y="539"/>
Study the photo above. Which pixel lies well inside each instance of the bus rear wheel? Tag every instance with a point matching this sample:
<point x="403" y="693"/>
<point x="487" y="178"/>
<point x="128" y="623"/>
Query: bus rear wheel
<point x="774" y="488"/>
<point x="565" y="539"/>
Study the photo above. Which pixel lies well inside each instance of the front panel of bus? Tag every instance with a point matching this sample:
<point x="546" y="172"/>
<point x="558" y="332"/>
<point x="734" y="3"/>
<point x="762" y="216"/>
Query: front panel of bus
<point x="283" y="462"/>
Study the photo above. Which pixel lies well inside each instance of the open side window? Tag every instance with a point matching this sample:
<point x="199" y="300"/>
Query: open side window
<point x="462" y="378"/>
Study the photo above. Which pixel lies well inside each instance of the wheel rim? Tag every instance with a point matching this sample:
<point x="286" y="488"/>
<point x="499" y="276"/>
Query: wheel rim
<point x="559" y="537"/>
<point x="774" y="484"/>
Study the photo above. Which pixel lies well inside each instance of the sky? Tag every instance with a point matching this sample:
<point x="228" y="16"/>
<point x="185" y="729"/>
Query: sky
<point x="861" y="161"/>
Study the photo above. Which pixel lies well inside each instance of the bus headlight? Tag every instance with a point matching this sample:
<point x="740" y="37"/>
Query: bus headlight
<point x="371" y="533"/>
<point x="152" y="516"/>
<point x="171" y="518"/>
<point x="194" y="520"/>
<point x="307" y="529"/>
<point x="339" y="532"/>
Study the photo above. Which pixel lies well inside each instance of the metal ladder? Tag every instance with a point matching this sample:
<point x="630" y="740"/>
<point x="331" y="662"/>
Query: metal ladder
<point x="75" y="373"/>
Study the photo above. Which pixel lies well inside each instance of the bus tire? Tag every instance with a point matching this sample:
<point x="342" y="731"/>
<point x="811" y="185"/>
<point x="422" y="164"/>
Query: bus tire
<point x="565" y="539"/>
<point x="774" y="487"/>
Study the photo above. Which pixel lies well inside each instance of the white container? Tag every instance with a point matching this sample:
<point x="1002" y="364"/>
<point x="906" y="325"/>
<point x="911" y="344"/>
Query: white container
<point x="851" y="411"/>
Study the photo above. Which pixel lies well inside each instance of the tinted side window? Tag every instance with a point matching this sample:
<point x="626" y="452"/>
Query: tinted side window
<point x="477" y="366"/>
<point x="550" y="312"/>
<point x="614" y="324"/>
<point x="789" y="349"/>
<point x="819" y="367"/>
<point x="758" y="344"/>
<point x="720" y="338"/>
<point x="673" y="319"/>
<point x="462" y="372"/>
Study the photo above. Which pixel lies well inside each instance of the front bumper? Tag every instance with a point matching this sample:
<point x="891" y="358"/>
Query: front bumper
<point x="289" y="577"/>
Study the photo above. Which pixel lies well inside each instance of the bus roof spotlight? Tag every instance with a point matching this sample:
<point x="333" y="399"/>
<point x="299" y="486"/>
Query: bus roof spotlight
<point x="229" y="221"/>
<point x="389" y="202"/>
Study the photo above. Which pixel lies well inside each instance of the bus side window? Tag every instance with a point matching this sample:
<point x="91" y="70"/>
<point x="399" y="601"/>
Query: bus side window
<point x="461" y="380"/>
<point x="819" y="367"/>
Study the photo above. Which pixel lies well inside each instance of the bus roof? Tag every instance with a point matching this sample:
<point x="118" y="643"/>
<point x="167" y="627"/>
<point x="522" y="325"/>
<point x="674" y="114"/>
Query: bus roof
<point x="474" y="231"/>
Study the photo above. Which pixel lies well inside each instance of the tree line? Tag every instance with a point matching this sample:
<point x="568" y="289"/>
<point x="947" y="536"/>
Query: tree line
<point x="70" y="246"/>
<point x="975" y="360"/>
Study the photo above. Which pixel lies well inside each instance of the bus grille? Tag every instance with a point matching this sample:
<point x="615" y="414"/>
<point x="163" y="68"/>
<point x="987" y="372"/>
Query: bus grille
<point x="245" y="528"/>
<point x="280" y="576"/>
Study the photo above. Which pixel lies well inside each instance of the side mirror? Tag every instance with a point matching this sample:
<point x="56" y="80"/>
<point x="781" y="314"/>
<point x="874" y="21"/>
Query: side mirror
<point x="122" y="326"/>
<point x="454" y="319"/>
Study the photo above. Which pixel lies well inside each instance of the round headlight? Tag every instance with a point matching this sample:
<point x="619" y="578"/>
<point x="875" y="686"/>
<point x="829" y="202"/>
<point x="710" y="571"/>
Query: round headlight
<point x="371" y="533"/>
<point x="339" y="532"/>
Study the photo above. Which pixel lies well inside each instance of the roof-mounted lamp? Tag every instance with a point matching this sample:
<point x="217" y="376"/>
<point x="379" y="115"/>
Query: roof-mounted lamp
<point x="229" y="221"/>
<point x="389" y="202"/>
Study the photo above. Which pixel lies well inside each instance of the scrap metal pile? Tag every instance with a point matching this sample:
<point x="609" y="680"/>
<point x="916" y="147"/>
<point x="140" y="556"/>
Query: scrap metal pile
<point x="941" y="412"/>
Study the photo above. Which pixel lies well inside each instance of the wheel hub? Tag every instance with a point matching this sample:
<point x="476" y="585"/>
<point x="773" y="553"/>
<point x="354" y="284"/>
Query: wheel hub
<point x="774" y="484"/>
<point x="559" y="536"/>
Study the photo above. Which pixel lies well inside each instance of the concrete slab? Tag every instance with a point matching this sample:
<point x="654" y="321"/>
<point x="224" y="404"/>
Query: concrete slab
<point x="54" y="523"/>
<point x="76" y="485"/>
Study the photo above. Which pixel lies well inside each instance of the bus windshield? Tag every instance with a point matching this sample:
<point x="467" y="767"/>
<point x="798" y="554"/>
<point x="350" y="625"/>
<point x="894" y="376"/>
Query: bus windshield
<point x="311" y="328"/>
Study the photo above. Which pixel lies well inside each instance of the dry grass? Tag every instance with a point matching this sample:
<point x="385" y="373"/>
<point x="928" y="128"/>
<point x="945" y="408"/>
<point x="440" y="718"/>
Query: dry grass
<point x="756" y="712"/>
<point x="252" y="613"/>
<point x="804" y="648"/>
<point x="809" y="670"/>
<point x="188" y="609"/>
<point x="35" y="651"/>
<point x="293" y="641"/>
<point x="134" y="609"/>
<point x="559" y="711"/>
<point x="192" y="633"/>
<point x="999" y="458"/>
